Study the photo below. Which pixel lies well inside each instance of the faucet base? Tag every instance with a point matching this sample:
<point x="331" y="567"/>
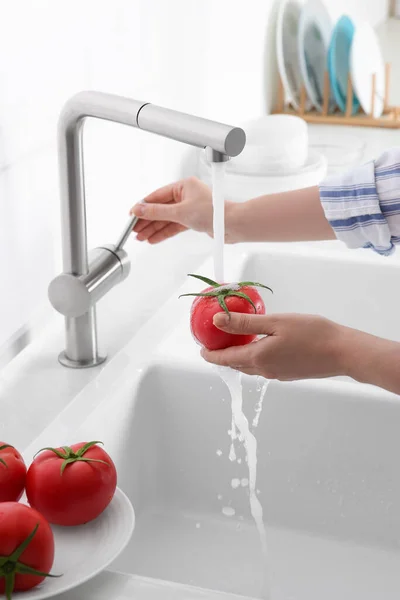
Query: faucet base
<point x="80" y="364"/>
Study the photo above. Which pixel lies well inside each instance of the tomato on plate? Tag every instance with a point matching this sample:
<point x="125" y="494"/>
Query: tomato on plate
<point x="71" y="485"/>
<point x="26" y="548"/>
<point x="12" y="473"/>
<point x="234" y="297"/>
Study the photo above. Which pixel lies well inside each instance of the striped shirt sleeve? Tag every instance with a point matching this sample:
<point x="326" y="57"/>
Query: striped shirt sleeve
<point x="363" y="206"/>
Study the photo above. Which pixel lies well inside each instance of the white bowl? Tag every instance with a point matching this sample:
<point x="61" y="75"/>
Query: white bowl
<point x="240" y="187"/>
<point x="342" y="151"/>
<point x="273" y="143"/>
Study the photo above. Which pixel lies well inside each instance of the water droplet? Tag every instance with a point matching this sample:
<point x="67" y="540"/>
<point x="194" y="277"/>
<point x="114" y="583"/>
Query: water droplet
<point x="244" y="482"/>
<point x="235" y="483"/>
<point x="219" y="497"/>
<point x="228" y="511"/>
<point x="198" y="525"/>
<point x="239" y="460"/>
<point x="219" y="452"/>
<point x="232" y="453"/>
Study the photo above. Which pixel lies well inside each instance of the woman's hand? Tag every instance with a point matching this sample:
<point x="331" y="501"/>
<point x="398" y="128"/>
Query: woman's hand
<point x="296" y="346"/>
<point x="186" y="204"/>
<point x="308" y="347"/>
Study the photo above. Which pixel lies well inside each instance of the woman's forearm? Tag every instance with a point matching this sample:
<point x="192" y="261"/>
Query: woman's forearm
<point x="369" y="359"/>
<point x="288" y="216"/>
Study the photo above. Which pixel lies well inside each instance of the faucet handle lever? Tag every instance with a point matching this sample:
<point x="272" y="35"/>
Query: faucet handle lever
<point x="123" y="238"/>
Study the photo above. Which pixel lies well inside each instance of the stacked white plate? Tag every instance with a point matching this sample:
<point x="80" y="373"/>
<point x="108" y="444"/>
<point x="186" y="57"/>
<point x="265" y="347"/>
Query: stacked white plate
<point x="309" y="44"/>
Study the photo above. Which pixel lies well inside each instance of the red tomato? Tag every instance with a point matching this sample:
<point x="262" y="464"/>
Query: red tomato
<point x="18" y="523"/>
<point x="12" y="473"/>
<point x="240" y="298"/>
<point x="71" y="485"/>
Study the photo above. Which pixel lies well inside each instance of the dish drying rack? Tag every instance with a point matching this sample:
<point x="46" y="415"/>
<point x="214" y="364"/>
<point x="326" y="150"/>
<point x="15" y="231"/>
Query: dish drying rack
<point x="390" y="118"/>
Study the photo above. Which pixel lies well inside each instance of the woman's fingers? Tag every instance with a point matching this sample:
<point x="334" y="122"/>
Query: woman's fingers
<point x="167" y="232"/>
<point x="236" y="357"/>
<point x="240" y="324"/>
<point x="142" y="223"/>
<point x="151" y="228"/>
<point x="165" y="194"/>
<point x="156" y="212"/>
<point x="248" y="371"/>
<point x="242" y="358"/>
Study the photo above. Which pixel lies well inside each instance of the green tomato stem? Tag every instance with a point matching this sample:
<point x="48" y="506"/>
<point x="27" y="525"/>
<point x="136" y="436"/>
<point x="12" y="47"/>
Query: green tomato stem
<point x="3" y="447"/>
<point x="10" y="565"/>
<point x="69" y="457"/>
<point x="221" y="292"/>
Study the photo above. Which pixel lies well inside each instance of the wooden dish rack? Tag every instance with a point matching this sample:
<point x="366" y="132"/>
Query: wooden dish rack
<point x="390" y="118"/>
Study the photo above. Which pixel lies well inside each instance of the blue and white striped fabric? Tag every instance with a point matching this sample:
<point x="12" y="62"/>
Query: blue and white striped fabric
<point x="363" y="206"/>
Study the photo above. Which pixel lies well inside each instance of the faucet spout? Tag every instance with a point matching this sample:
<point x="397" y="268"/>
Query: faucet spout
<point x="221" y="142"/>
<point x="192" y="130"/>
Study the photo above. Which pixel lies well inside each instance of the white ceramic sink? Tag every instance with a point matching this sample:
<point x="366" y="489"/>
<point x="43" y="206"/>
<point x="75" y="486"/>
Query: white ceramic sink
<point x="328" y="459"/>
<point x="356" y="288"/>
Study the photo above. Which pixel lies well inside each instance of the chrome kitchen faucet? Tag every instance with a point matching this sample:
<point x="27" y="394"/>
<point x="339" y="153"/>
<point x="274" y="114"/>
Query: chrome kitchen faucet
<point x="87" y="278"/>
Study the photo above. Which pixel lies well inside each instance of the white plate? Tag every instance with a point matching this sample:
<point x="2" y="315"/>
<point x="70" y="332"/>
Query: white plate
<point x="83" y="552"/>
<point x="365" y="60"/>
<point x="287" y="49"/>
<point x="315" y="30"/>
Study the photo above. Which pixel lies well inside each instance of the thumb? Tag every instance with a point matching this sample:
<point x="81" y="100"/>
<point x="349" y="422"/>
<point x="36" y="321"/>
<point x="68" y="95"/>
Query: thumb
<point x="240" y="323"/>
<point x="156" y="212"/>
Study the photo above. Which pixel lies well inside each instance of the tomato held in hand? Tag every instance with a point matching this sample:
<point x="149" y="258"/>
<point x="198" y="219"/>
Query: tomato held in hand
<point x="235" y="297"/>
<point x="71" y="485"/>
<point x="26" y="548"/>
<point x="12" y="473"/>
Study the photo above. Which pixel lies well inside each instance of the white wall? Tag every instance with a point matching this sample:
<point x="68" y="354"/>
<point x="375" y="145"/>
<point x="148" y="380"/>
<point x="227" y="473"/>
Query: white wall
<point x="214" y="58"/>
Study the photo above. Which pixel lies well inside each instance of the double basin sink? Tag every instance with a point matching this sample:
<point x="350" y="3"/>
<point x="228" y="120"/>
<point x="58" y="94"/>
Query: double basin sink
<point x="328" y="451"/>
